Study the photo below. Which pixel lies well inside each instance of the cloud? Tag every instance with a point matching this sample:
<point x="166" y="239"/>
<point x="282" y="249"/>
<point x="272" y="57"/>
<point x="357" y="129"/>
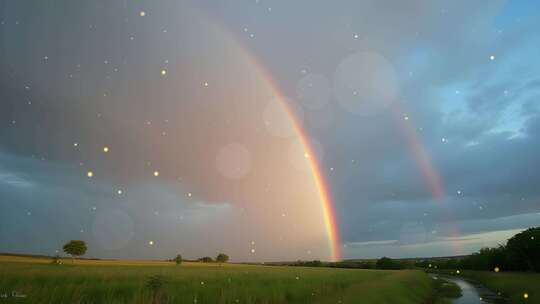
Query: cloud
<point x="439" y="246"/>
<point x="370" y="243"/>
<point x="484" y="110"/>
<point x="445" y="84"/>
<point x="14" y="180"/>
<point x="54" y="203"/>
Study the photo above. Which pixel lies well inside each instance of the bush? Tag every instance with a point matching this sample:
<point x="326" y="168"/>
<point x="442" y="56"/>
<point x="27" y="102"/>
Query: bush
<point x="156" y="283"/>
<point x="485" y="259"/>
<point x="206" y="260"/>
<point x="388" y="263"/>
<point x="446" y="289"/>
<point x="354" y="264"/>
<point x="314" y="263"/>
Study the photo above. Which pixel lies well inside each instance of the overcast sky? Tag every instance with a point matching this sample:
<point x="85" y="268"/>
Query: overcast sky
<point x="423" y="115"/>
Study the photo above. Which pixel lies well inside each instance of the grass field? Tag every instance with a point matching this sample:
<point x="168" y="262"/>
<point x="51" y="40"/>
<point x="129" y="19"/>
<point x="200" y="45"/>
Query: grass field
<point x="512" y="285"/>
<point x="90" y="281"/>
<point x="446" y="291"/>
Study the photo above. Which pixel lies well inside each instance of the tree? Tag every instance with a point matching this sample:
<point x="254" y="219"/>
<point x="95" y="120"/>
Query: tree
<point x="178" y="259"/>
<point x="525" y="247"/>
<point x="206" y="260"/>
<point x="387" y="263"/>
<point x="222" y="258"/>
<point x="75" y="248"/>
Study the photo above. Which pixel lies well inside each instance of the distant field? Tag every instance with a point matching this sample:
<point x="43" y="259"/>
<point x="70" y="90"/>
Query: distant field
<point x="47" y="260"/>
<point x="511" y="284"/>
<point x="108" y="281"/>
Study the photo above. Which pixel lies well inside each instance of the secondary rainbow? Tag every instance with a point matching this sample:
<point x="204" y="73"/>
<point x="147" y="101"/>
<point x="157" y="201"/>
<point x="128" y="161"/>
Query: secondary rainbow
<point x="431" y="176"/>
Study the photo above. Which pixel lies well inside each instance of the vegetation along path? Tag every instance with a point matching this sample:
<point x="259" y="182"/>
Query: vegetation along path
<point x="471" y="292"/>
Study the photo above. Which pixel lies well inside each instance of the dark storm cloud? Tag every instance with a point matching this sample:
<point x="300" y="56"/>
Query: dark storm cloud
<point x="45" y="203"/>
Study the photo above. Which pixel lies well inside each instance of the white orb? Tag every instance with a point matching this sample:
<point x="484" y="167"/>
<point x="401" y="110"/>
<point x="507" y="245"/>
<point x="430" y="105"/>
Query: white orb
<point x="233" y="161"/>
<point x="365" y="83"/>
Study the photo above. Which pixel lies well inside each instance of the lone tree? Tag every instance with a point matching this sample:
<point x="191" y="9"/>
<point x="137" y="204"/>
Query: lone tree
<point x="178" y="259"/>
<point x="222" y="258"/>
<point x="75" y="248"/>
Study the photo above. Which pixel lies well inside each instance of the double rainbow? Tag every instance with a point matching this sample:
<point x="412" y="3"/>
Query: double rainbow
<point x="421" y="156"/>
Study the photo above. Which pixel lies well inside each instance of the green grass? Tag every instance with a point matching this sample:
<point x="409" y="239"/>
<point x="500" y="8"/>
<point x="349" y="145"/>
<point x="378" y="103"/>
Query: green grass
<point x="445" y="291"/>
<point x="104" y="282"/>
<point x="512" y="285"/>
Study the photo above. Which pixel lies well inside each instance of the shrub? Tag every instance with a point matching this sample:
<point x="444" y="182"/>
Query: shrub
<point x="156" y="283"/>
<point x="206" y="260"/>
<point x="388" y="263"/>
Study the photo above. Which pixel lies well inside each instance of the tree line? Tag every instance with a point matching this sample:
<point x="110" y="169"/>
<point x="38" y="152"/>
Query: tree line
<point x="77" y="248"/>
<point x="521" y="253"/>
<point x="385" y="263"/>
<point x="220" y="258"/>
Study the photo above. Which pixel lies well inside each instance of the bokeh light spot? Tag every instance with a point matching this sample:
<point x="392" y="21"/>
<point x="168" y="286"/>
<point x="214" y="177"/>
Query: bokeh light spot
<point x="365" y="83"/>
<point x="233" y="161"/>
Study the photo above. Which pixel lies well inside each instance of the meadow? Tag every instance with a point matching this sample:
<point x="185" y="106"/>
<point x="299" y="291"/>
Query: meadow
<point x="118" y="281"/>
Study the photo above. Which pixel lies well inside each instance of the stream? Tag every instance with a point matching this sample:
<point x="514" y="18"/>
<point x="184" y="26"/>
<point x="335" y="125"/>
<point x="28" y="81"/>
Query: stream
<point x="472" y="292"/>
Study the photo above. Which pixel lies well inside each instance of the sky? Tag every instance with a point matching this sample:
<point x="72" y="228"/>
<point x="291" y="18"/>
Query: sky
<point x="253" y="127"/>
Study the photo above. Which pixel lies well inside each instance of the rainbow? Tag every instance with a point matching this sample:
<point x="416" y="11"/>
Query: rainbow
<point x="328" y="212"/>
<point x="330" y="221"/>
<point x="421" y="156"/>
<point x="423" y="160"/>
